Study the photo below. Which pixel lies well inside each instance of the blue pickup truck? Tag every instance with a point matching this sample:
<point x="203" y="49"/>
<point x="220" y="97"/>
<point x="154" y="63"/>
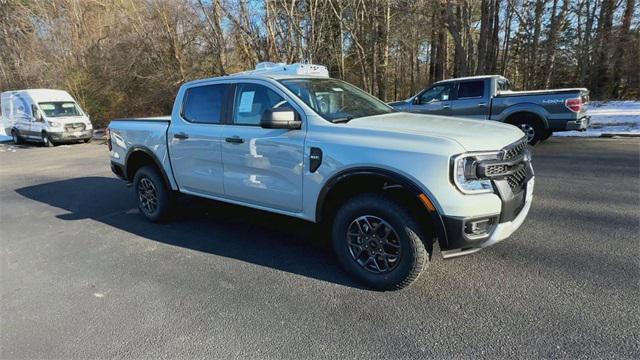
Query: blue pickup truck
<point x="538" y="113"/>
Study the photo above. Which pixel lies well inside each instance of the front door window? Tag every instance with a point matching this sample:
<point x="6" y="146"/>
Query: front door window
<point x="436" y="93"/>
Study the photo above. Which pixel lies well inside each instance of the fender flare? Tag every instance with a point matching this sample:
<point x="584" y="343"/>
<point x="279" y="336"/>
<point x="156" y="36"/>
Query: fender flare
<point x="435" y="217"/>
<point x="148" y="152"/>
<point x="527" y="108"/>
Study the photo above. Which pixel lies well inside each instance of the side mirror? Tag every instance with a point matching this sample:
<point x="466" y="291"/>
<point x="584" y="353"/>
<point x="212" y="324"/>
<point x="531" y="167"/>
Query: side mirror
<point x="38" y="116"/>
<point x="280" y="118"/>
<point x="416" y="100"/>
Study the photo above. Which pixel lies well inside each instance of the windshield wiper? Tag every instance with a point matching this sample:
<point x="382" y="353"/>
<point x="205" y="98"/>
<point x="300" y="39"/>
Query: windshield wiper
<point x="342" y="119"/>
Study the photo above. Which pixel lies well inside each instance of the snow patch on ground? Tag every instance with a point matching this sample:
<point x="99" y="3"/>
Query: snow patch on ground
<point x="610" y="117"/>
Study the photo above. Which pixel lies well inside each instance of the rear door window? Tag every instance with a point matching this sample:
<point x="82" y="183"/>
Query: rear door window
<point x="203" y="104"/>
<point x="471" y="89"/>
<point x="504" y="85"/>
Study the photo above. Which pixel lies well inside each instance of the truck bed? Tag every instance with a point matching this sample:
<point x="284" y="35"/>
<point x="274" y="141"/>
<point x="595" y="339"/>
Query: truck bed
<point x="149" y="133"/>
<point x="166" y="118"/>
<point x="542" y="92"/>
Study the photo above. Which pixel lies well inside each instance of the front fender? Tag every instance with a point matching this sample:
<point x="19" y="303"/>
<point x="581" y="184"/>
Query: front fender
<point x="393" y="177"/>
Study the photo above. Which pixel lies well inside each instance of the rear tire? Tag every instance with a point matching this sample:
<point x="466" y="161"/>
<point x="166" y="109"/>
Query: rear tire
<point x="16" y="137"/>
<point x="378" y="242"/>
<point x="46" y="140"/>
<point x="154" y="199"/>
<point x="547" y="134"/>
<point x="86" y="141"/>
<point x="531" y="126"/>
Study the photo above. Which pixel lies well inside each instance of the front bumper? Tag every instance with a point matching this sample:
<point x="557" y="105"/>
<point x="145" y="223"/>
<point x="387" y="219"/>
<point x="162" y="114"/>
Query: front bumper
<point x="70" y="135"/>
<point x="460" y="244"/>
<point x="505" y="229"/>
<point x="579" y="125"/>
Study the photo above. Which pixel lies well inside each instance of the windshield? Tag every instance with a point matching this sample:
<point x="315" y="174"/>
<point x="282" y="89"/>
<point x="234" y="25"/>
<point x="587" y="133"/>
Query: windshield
<point x="336" y="100"/>
<point x="60" y="109"/>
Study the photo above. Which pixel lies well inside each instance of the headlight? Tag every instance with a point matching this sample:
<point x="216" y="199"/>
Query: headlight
<point x="465" y="172"/>
<point x="89" y="126"/>
<point x="54" y="124"/>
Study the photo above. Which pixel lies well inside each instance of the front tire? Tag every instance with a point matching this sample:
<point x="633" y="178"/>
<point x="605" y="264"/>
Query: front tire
<point x="46" y="140"/>
<point x="154" y="199"/>
<point x="378" y="242"/>
<point x="16" y="138"/>
<point x="531" y="127"/>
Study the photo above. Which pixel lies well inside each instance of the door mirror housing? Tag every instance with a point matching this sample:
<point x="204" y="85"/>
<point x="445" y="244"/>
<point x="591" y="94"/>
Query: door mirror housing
<point x="280" y="118"/>
<point x="416" y="100"/>
<point x="37" y="115"/>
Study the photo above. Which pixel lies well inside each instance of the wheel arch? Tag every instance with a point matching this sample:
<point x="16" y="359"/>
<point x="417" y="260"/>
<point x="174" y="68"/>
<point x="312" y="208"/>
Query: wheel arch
<point x="350" y="182"/>
<point x="138" y="157"/>
<point x="511" y="117"/>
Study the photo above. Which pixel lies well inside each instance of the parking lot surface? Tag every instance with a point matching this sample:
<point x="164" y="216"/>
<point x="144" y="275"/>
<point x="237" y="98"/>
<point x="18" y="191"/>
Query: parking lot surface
<point x="85" y="276"/>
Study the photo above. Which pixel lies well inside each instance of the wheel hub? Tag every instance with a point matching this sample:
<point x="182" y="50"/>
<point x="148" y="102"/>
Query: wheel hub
<point x="373" y="244"/>
<point x="529" y="131"/>
<point x="147" y="195"/>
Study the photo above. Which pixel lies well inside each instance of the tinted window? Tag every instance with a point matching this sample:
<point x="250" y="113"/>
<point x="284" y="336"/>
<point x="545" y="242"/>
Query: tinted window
<point x="436" y="93"/>
<point x="251" y="101"/>
<point x="203" y="104"/>
<point x="471" y="89"/>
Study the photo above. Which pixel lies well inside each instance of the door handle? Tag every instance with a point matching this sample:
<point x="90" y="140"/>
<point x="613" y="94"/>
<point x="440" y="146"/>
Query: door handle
<point x="446" y="107"/>
<point x="234" y="140"/>
<point x="482" y="105"/>
<point x="180" y="136"/>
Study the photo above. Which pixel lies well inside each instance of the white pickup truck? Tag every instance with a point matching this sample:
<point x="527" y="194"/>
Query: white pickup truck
<point x="288" y="139"/>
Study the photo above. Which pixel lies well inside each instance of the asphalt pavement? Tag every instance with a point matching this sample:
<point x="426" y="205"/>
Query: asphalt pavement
<point x="83" y="275"/>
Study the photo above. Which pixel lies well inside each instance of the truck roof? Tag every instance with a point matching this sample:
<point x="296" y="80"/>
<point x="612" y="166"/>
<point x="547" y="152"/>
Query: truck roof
<point x="276" y="71"/>
<point x="477" y="77"/>
<point x="241" y="76"/>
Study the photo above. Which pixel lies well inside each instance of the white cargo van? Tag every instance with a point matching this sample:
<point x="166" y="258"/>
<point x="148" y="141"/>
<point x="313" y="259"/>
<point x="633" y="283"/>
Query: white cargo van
<point x="44" y="115"/>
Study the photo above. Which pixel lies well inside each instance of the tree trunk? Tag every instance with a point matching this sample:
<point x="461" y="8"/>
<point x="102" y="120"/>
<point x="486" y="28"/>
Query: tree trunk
<point x="556" y="28"/>
<point x="603" y="70"/>
<point x="624" y="40"/>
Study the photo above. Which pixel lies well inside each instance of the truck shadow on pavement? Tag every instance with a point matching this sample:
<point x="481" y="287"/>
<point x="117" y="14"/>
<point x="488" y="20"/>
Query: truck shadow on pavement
<point x="249" y="235"/>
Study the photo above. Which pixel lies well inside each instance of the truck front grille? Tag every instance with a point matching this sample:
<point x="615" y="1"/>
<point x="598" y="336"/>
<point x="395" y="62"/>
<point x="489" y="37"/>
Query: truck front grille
<point x="519" y="149"/>
<point x="74" y="127"/>
<point x="495" y="170"/>
<point x="517" y="179"/>
<point x="516" y="149"/>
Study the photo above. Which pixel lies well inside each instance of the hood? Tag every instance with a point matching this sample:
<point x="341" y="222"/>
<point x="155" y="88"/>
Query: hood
<point x="69" y="119"/>
<point x="473" y="135"/>
<point x="397" y="103"/>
